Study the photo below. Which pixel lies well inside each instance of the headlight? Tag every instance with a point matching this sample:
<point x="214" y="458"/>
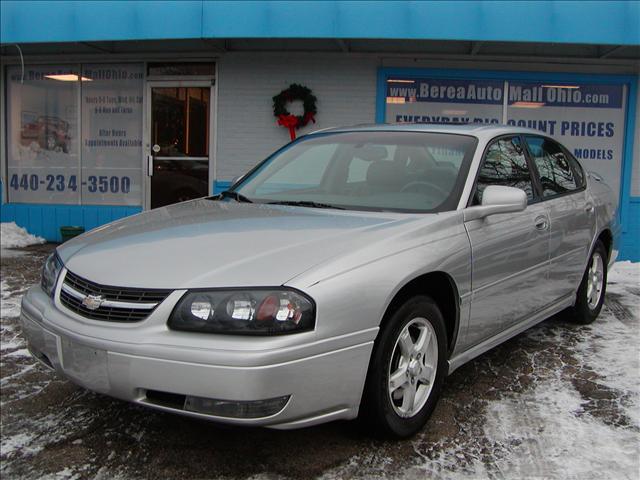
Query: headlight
<point x="50" y="272"/>
<point x="244" y="312"/>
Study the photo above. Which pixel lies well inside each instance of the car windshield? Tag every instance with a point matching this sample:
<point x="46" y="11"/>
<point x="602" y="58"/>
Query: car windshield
<point x="365" y="170"/>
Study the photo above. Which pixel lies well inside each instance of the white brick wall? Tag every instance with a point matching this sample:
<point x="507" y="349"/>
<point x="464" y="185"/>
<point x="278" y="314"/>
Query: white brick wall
<point x="247" y="130"/>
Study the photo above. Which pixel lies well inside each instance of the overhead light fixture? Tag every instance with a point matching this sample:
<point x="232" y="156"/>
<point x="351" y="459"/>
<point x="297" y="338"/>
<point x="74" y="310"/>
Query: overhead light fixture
<point x="528" y="104"/>
<point x="401" y="81"/>
<point x="561" y="86"/>
<point x="67" y="77"/>
<point x="454" y="112"/>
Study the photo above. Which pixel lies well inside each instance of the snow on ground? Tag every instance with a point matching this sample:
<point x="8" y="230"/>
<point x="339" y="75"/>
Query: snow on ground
<point x="9" y="308"/>
<point x="12" y="236"/>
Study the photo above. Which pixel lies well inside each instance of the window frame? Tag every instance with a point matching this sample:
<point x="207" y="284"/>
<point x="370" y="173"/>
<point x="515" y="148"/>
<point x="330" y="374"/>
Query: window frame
<point x="535" y="187"/>
<point x="456" y="194"/>
<point x="583" y="172"/>
<point x="537" y="173"/>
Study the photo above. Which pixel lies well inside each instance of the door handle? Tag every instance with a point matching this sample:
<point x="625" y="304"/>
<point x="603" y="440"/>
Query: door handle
<point x="542" y="223"/>
<point x="150" y="165"/>
<point x="589" y="208"/>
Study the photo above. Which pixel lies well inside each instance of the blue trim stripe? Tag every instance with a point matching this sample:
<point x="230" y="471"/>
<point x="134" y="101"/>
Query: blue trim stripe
<point x="627" y="158"/>
<point x="630" y="242"/>
<point x="46" y="220"/>
<point x="220" y="186"/>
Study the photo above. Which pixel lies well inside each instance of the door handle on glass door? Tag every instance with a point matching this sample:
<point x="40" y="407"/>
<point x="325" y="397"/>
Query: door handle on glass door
<point x="542" y="223"/>
<point x="150" y="165"/>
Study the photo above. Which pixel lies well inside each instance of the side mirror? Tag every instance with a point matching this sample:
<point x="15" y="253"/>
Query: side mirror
<point x="497" y="199"/>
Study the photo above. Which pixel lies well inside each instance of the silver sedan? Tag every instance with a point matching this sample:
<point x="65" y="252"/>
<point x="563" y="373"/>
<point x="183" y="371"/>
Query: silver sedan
<point x="345" y="276"/>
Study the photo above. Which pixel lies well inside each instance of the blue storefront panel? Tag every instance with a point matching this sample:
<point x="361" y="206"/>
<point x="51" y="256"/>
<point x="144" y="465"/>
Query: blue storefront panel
<point x="597" y="22"/>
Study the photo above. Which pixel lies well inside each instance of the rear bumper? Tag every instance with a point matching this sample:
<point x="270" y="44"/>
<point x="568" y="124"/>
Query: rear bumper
<point x="321" y="385"/>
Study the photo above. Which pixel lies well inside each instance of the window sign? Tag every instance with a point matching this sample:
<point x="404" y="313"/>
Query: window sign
<point x="425" y="100"/>
<point x="43" y="159"/>
<point x="112" y="134"/>
<point x="75" y="134"/>
<point x="588" y="119"/>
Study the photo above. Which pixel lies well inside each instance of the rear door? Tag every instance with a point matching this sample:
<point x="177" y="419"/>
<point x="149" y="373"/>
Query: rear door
<point x="509" y="251"/>
<point x="571" y="212"/>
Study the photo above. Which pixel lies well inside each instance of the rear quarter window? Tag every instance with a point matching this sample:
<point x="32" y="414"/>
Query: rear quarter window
<point x="553" y="165"/>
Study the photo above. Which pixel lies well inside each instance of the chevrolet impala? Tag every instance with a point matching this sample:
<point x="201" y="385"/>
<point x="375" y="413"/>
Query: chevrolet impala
<point x="344" y="276"/>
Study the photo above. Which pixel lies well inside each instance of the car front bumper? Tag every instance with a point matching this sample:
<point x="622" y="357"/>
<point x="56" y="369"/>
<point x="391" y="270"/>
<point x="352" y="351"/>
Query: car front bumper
<point x="323" y="380"/>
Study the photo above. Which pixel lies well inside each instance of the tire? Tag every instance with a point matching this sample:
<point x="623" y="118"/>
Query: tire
<point x="384" y="409"/>
<point x="589" y="301"/>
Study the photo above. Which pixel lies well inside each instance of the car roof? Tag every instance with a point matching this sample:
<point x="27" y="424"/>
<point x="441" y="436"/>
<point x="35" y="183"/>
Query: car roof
<point x="474" y="129"/>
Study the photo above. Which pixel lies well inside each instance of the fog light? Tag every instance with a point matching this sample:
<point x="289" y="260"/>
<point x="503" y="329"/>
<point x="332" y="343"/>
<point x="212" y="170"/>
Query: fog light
<point x="236" y="409"/>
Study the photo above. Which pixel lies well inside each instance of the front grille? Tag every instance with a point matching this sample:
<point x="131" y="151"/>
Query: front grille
<point x="121" y="304"/>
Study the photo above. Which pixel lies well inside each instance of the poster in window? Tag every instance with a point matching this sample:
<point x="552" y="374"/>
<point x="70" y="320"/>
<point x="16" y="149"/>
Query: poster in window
<point x="112" y="134"/>
<point x="43" y="162"/>
<point x="588" y="119"/>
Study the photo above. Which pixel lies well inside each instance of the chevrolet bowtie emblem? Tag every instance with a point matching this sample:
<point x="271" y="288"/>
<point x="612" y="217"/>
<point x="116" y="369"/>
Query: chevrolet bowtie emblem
<point x="93" y="302"/>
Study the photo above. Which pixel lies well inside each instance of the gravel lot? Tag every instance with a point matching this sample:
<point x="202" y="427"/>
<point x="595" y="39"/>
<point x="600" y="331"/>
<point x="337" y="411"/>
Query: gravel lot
<point x="560" y="401"/>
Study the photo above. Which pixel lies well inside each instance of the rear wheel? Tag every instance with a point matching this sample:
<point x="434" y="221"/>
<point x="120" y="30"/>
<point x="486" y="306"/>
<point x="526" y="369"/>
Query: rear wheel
<point x="407" y="370"/>
<point x="590" y="296"/>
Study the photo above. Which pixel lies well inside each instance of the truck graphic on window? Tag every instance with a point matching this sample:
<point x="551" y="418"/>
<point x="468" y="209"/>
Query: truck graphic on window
<point x="49" y="132"/>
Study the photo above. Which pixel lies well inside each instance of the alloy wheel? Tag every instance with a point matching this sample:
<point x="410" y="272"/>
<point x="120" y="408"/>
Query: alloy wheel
<point x="413" y="367"/>
<point x="595" y="280"/>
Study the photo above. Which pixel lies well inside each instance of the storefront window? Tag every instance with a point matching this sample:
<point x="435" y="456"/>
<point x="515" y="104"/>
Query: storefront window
<point x="75" y="134"/>
<point x="112" y="134"/>
<point x="42" y="118"/>
<point x="589" y="119"/>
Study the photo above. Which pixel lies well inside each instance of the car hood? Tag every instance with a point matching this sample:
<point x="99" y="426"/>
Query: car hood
<point x="205" y="243"/>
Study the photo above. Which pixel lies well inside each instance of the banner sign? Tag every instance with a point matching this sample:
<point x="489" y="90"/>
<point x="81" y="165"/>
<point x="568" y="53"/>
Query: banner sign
<point x="420" y="100"/>
<point x="589" y="119"/>
<point x="565" y="95"/>
<point x="62" y="151"/>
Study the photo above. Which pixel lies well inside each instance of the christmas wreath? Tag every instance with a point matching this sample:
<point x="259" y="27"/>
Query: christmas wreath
<point x="286" y="119"/>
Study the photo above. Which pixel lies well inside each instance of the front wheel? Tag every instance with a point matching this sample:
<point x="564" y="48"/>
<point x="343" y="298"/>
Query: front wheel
<point x="590" y="296"/>
<point x="407" y="369"/>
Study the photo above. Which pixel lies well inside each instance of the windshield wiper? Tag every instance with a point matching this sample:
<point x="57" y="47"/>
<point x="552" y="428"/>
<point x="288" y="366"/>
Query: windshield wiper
<point x="306" y="203"/>
<point x="238" y="197"/>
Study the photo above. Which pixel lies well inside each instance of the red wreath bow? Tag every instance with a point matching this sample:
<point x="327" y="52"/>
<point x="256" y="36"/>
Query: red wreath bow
<point x="293" y="122"/>
<point x="290" y="122"/>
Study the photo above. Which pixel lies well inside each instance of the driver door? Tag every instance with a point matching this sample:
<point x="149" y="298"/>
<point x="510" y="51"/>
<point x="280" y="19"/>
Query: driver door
<point x="510" y="251"/>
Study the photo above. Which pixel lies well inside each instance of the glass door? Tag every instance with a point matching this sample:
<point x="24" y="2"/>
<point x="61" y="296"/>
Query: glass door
<point x="180" y="143"/>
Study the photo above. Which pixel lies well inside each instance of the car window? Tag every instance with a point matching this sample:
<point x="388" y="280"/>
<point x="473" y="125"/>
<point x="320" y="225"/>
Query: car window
<point x="556" y="174"/>
<point x="306" y="172"/>
<point x="504" y="164"/>
<point x="577" y="169"/>
<point x="367" y="170"/>
<point x="361" y="161"/>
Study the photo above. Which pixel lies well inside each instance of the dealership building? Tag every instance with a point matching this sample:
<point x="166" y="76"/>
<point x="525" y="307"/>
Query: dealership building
<point x="111" y="108"/>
